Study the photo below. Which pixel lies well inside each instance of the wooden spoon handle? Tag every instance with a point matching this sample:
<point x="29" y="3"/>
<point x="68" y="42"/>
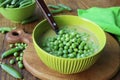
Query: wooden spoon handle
<point x="18" y="35"/>
<point x="48" y="15"/>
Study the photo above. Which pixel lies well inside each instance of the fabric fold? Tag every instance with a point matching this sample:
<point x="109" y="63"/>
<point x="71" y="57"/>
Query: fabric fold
<point x="107" y="18"/>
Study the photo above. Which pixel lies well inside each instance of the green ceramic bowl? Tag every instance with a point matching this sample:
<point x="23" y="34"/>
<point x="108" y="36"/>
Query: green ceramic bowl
<point x="18" y="14"/>
<point x="65" y="65"/>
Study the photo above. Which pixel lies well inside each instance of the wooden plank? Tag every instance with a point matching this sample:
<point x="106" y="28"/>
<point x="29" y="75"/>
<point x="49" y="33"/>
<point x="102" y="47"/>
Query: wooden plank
<point x="74" y="4"/>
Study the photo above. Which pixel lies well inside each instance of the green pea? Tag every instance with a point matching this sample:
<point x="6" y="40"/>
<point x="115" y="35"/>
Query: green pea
<point x="78" y="40"/>
<point x="56" y="47"/>
<point x="66" y="47"/>
<point x="76" y="50"/>
<point x="78" y="55"/>
<point x="67" y="39"/>
<point x="61" y="49"/>
<point x="16" y="54"/>
<point x="21" y="54"/>
<point x="56" y="42"/>
<point x="47" y="49"/>
<point x="74" y="40"/>
<point x="86" y="47"/>
<point x="68" y="44"/>
<point x="61" y="45"/>
<point x="74" y="45"/>
<point x="17" y="58"/>
<point x="62" y="39"/>
<point x="65" y="56"/>
<point x="65" y="51"/>
<point x="12" y="61"/>
<point x="80" y="47"/>
<point x="80" y="51"/>
<point x="21" y="58"/>
<point x="70" y="50"/>
<point x="61" y="32"/>
<point x="19" y="62"/>
<point x="11" y="45"/>
<point x="73" y="34"/>
<point x="60" y="53"/>
<point x="85" y="52"/>
<point x="71" y="55"/>
<point x="20" y="66"/>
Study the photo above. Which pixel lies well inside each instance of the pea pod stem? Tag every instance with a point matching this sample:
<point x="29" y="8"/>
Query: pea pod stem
<point x="10" y="70"/>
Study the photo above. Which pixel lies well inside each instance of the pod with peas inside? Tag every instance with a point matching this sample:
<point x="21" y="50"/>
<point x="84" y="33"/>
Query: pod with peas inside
<point x="75" y="48"/>
<point x="17" y="10"/>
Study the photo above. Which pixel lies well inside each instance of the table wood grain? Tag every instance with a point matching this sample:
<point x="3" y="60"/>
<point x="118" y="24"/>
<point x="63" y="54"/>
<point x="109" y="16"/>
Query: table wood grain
<point x="74" y="4"/>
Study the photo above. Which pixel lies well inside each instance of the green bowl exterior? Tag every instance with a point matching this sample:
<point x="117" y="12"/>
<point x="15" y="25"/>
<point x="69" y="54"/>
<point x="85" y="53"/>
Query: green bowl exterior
<point x="64" y="65"/>
<point x="18" y="14"/>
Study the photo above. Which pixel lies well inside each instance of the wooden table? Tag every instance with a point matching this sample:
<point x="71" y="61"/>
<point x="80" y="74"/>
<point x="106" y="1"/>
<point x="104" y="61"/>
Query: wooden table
<point x="74" y="4"/>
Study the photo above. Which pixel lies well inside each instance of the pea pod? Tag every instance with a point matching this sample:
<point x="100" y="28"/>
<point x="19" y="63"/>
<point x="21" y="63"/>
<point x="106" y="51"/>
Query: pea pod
<point x="29" y="20"/>
<point x="57" y="10"/>
<point x="53" y="6"/>
<point x="13" y="2"/>
<point x="10" y="70"/>
<point x="4" y="3"/>
<point x="25" y="4"/>
<point x="11" y="51"/>
<point x="17" y="4"/>
<point x="23" y="1"/>
<point x="65" y="7"/>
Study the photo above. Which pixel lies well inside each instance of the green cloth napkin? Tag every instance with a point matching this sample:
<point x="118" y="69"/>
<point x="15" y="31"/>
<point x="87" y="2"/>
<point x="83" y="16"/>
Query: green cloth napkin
<point x="107" y="18"/>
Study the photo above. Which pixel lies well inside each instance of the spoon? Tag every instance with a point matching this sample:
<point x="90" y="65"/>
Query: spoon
<point x="48" y="15"/>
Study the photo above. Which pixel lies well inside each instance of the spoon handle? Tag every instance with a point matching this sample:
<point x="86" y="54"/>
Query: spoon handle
<point x="48" y="15"/>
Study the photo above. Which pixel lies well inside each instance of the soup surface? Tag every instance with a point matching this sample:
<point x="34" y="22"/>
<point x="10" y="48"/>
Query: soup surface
<point x="70" y="42"/>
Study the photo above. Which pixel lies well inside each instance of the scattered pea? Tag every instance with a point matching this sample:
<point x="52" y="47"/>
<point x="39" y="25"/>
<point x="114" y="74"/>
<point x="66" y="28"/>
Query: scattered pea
<point x="19" y="62"/>
<point x="20" y="65"/>
<point x="21" y="54"/>
<point x="12" y="61"/>
<point x="11" y="45"/>
<point x="17" y="58"/>
<point x="21" y="58"/>
<point x="16" y="54"/>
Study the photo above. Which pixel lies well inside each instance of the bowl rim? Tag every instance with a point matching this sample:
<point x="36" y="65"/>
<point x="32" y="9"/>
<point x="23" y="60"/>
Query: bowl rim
<point x="92" y="55"/>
